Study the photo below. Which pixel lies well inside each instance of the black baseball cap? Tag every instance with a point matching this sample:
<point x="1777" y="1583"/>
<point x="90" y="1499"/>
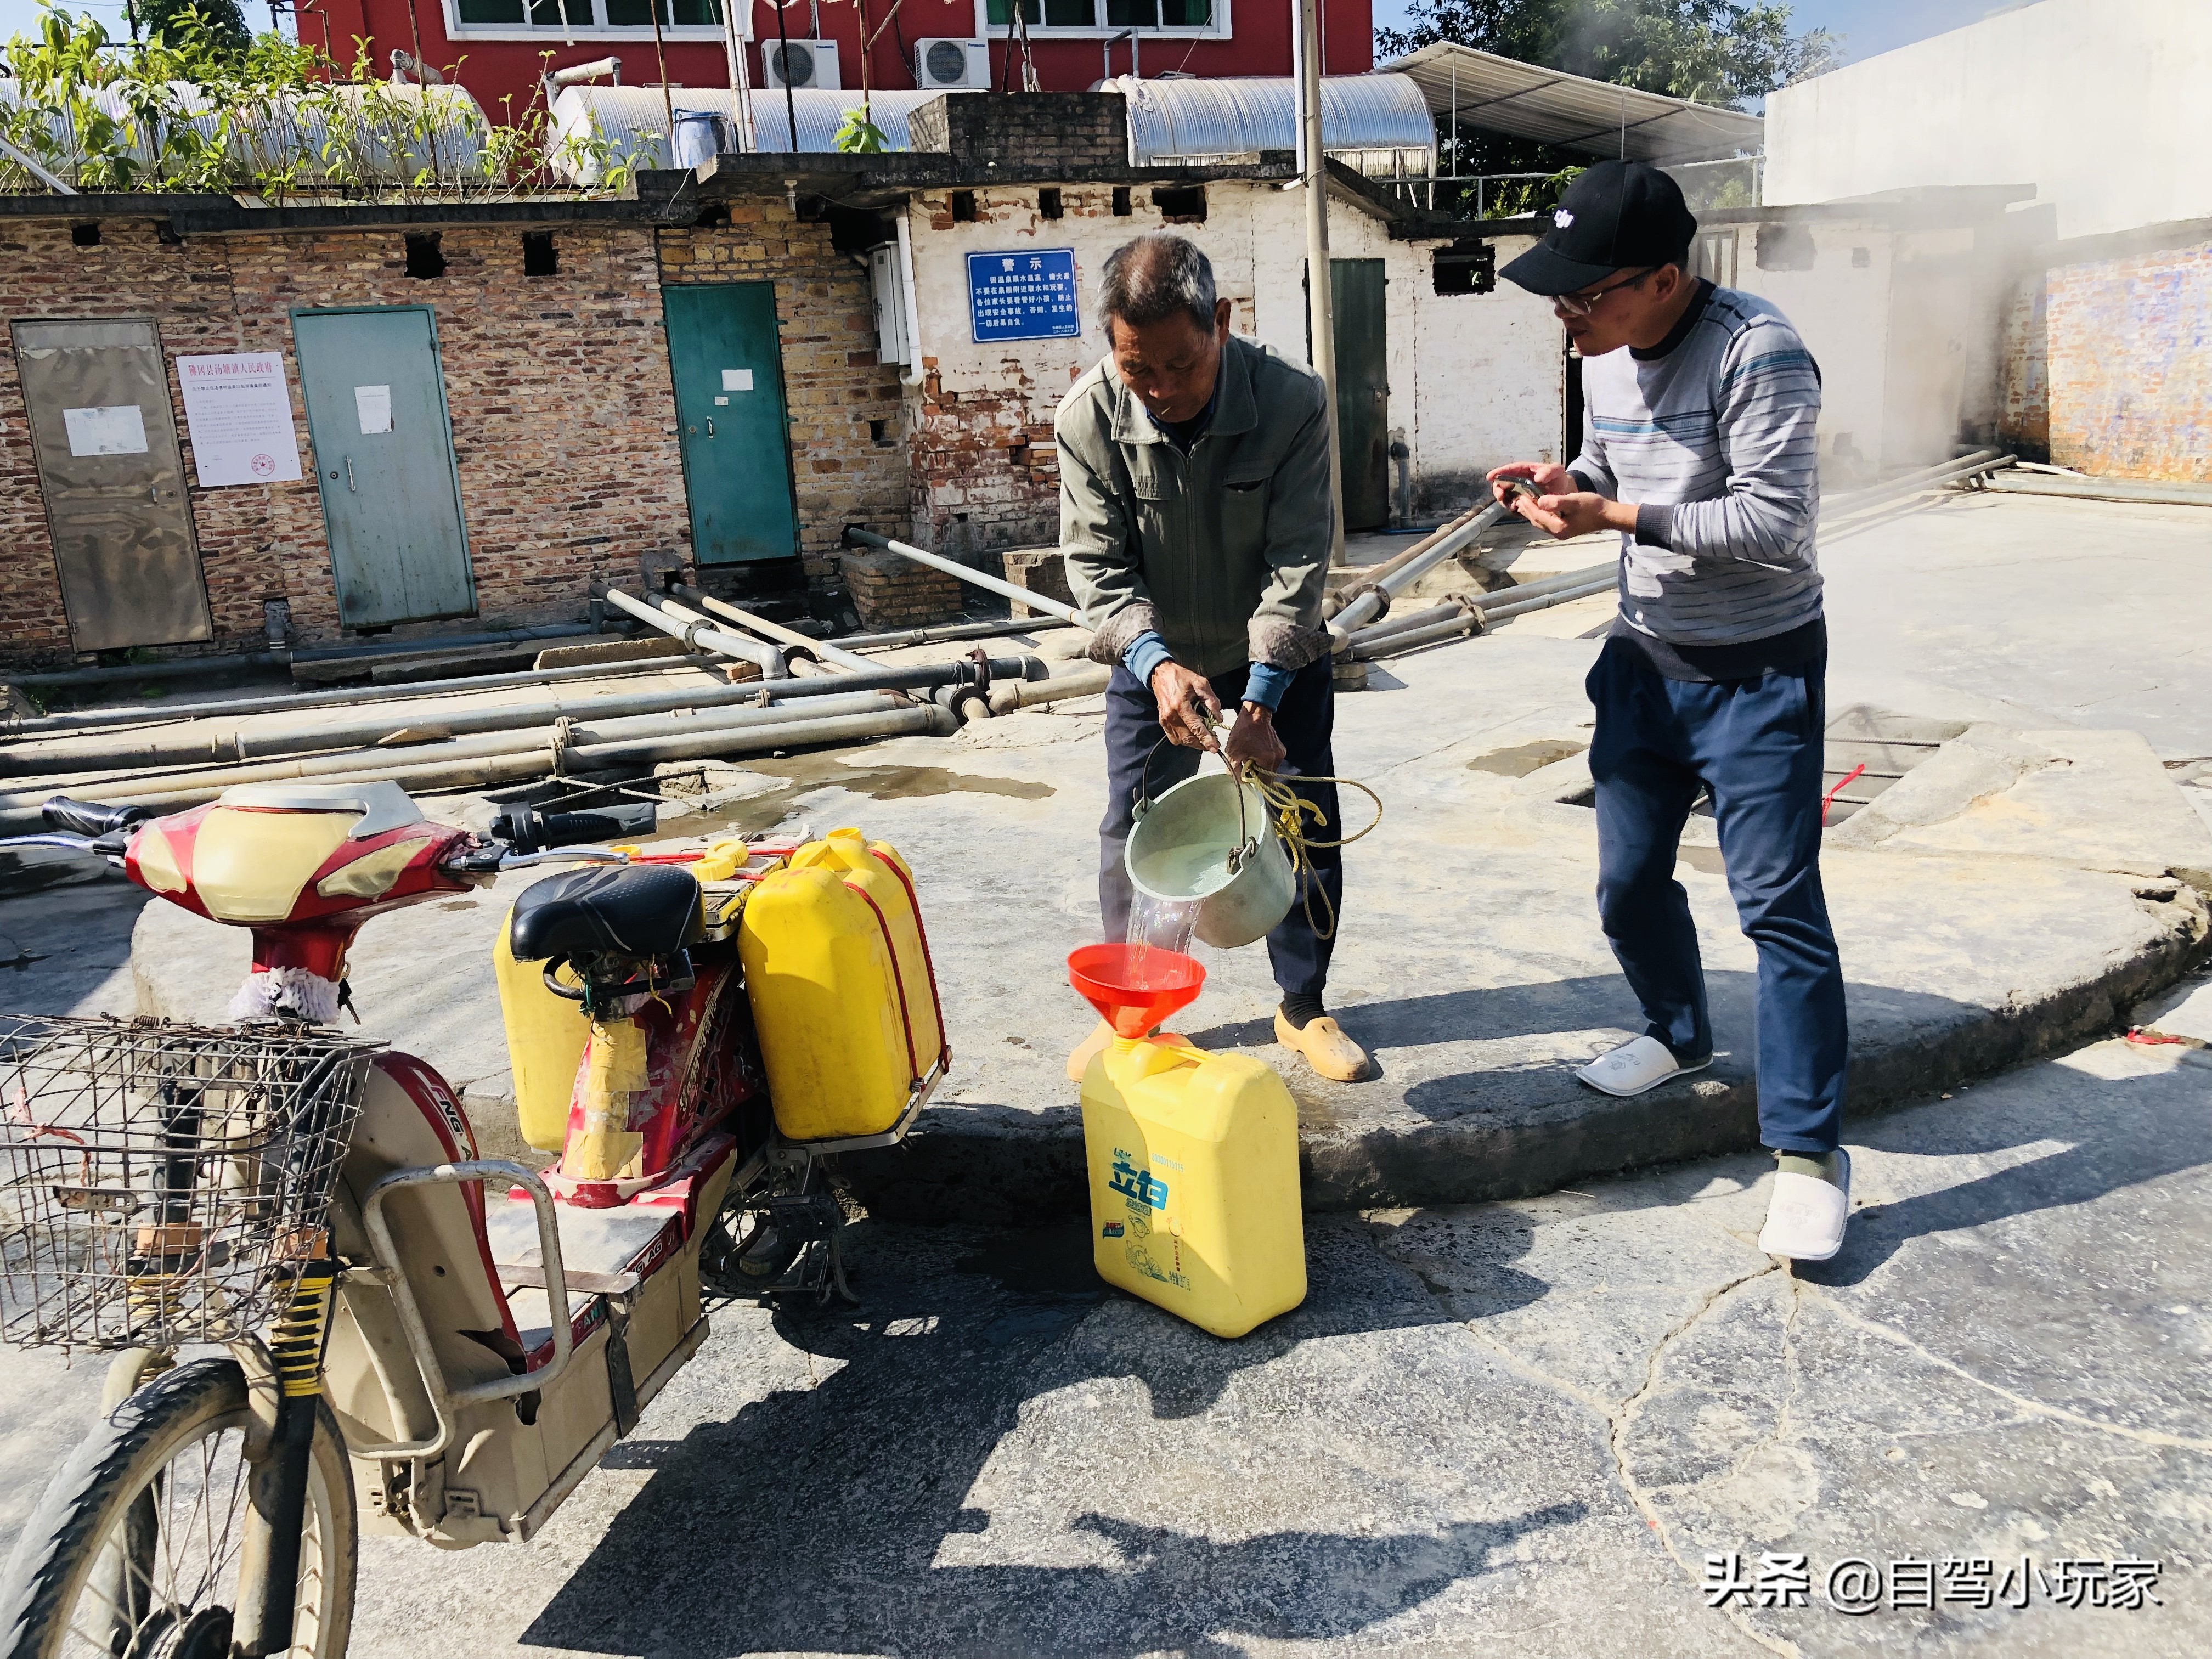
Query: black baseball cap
<point x="1617" y="216"/>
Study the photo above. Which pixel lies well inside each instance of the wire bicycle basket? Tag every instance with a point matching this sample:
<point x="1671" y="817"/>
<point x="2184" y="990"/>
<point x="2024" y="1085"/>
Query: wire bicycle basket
<point x="164" y="1183"/>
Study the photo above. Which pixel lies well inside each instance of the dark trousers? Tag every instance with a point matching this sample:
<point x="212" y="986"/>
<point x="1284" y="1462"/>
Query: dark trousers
<point x="1305" y="722"/>
<point x="1756" y="744"/>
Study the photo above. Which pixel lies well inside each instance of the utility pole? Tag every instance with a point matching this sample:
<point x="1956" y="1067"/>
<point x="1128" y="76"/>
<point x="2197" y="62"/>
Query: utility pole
<point x="1321" y="317"/>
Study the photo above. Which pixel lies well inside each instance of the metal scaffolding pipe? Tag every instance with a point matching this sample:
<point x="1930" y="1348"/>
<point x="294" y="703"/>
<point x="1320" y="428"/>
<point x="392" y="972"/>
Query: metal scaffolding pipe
<point x="1363" y="610"/>
<point x="284" y="702"/>
<point x="923" y="719"/>
<point x="1488" y="603"/>
<point x="1085" y="680"/>
<point x="355" y="762"/>
<point x="769" y="657"/>
<point x="1474" y="620"/>
<point x="1936" y="478"/>
<point x="789" y="637"/>
<point x="854" y="534"/>
<point x="975" y="630"/>
<point x="174" y="667"/>
<point x="168" y="748"/>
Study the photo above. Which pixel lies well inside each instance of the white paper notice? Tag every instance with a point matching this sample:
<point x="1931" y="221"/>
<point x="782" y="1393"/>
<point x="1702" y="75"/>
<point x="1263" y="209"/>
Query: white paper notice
<point x="737" y="380"/>
<point x="372" y="403"/>
<point x="120" y="429"/>
<point x="239" y="412"/>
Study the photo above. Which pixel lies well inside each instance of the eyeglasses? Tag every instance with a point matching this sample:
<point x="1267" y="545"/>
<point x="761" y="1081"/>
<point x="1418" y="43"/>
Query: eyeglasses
<point x="1581" y="305"/>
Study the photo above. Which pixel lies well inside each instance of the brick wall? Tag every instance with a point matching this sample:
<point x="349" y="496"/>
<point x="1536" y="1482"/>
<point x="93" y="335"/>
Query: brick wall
<point x="2109" y="361"/>
<point x="890" y="591"/>
<point x="1075" y="130"/>
<point x="838" y="393"/>
<point x="563" y="413"/>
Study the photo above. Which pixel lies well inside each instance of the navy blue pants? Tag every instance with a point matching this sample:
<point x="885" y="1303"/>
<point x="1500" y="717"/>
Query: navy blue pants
<point x="1756" y="744"/>
<point x="1305" y="722"/>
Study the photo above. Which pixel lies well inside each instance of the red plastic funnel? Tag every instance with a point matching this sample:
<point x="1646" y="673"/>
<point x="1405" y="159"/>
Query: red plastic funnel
<point x="1134" y="987"/>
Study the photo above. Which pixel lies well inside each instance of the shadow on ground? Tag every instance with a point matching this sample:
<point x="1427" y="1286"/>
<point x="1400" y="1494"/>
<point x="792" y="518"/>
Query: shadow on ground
<point x="829" y="1538"/>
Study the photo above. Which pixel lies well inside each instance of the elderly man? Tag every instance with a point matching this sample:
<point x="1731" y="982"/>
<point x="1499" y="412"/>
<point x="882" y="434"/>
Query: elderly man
<point x="1697" y="447"/>
<point x="1195" y="512"/>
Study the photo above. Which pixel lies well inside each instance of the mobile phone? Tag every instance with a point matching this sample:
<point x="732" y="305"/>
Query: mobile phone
<point x="1513" y="487"/>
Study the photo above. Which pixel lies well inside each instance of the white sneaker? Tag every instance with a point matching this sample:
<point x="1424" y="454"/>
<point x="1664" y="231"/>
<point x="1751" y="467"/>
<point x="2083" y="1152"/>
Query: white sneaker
<point x="1639" y="1063"/>
<point x="1805" y="1215"/>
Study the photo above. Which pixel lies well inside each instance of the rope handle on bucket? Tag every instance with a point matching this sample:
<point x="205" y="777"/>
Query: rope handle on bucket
<point x="1290" y="810"/>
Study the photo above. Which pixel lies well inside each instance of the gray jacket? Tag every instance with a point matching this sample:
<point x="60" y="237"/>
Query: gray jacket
<point x="1222" y="551"/>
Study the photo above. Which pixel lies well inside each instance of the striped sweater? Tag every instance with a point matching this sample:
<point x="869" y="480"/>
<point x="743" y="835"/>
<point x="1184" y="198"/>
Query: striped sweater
<point x="1712" y="435"/>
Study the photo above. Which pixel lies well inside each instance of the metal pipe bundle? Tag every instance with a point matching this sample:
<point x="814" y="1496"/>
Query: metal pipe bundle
<point x="446" y="775"/>
<point x="530" y="739"/>
<point x="1363" y="610"/>
<point x="769" y="657"/>
<point x="776" y="633"/>
<point x="285" y="703"/>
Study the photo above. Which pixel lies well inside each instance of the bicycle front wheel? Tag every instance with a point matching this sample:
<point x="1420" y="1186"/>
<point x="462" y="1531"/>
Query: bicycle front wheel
<point x="137" y="1547"/>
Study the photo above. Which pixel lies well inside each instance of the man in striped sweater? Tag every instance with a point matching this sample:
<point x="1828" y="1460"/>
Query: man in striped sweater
<point x="1699" y="449"/>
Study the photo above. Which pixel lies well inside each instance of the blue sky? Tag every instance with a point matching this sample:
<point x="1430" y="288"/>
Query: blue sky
<point x="1870" y="26"/>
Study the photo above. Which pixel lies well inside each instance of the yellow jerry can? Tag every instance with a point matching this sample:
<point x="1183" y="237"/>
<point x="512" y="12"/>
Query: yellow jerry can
<point x="1194" y="1182"/>
<point x="843" y="995"/>
<point x="545" y="1038"/>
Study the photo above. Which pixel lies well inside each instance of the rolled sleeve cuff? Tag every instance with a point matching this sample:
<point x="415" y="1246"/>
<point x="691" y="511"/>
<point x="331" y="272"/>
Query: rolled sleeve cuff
<point x="1266" y="684"/>
<point x="1144" y="654"/>
<point x="1654" y="527"/>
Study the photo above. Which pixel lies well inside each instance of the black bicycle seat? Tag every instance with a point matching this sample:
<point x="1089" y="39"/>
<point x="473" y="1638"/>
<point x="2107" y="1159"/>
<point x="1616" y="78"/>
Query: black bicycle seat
<point x="633" y="909"/>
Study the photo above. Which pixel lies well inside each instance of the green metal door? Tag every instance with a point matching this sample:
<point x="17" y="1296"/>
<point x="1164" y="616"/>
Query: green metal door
<point x="384" y="461"/>
<point x="727" y="363"/>
<point x="1362" y="390"/>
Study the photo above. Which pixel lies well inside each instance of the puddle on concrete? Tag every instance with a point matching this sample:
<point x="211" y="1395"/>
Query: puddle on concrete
<point x="800" y="773"/>
<point x="1707" y="858"/>
<point x="1522" y="759"/>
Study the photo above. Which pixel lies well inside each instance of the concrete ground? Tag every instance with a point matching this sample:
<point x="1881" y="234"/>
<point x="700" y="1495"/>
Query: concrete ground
<point x="1522" y="1425"/>
<point x="1518" y="1427"/>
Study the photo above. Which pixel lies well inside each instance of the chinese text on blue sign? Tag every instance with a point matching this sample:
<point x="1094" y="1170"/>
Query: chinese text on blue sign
<point x="1029" y="295"/>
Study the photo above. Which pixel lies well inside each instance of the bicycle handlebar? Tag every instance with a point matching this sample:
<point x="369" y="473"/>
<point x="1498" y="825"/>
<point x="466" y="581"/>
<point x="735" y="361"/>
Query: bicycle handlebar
<point x="528" y="831"/>
<point x="89" y="817"/>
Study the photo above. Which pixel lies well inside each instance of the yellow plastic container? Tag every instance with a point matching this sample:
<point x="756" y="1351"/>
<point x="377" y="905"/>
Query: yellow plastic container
<point x="545" y="1038"/>
<point x="843" y="995"/>
<point x="1194" y="1182"/>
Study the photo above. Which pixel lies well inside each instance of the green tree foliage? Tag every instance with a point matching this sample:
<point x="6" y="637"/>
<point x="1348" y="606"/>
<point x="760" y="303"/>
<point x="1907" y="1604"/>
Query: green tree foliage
<point x="1715" y="52"/>
<point x="219" y="26"/>
<point x="190" y="108"/>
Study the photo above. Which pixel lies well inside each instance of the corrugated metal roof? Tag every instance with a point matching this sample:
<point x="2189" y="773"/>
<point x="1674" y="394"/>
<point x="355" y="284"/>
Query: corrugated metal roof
<point x="378" y="132"/>
<point x="1190" y="118"/>
<point x="633" y="120"/>
<point x="1594" y="117"/>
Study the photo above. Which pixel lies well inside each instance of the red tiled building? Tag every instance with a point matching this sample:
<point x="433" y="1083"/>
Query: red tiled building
<point x="502" y="46"/>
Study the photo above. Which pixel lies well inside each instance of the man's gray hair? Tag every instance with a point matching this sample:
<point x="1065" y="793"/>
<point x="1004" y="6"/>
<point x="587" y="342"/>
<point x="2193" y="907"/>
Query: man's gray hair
<point x="1152" y="278"/>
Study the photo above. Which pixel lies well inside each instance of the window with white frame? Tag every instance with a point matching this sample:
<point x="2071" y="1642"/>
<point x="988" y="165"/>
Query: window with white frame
<point x="560" y="20"/>
<point x="1174" y="17"/>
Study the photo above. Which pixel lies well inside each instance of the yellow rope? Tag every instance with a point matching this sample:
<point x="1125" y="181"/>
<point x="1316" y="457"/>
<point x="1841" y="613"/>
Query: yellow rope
<point x="1291" y="812"/>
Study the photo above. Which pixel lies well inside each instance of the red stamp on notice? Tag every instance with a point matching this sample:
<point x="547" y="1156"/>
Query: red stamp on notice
<point x="265" y="466"/>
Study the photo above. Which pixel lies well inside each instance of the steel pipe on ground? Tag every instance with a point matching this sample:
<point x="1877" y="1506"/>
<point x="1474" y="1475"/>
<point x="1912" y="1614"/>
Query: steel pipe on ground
<point x="1363" y="610"/>
<point x="174" y="667"/>
<point x="442" y="776"/>
<point x="975" y="630"/>
<point x="494" y="743"/>
<point x="790" y="638"/>
<point x="769" y="657"/>
<point x="953" y="568"/>
<point x="1489" y="603"/>
<point x="1087" y="680"/>
<point x="276" y="702"/>
<point x="1474" y="620"/>
<point x="168" y="748"/>
<point x="1938" y="478"/>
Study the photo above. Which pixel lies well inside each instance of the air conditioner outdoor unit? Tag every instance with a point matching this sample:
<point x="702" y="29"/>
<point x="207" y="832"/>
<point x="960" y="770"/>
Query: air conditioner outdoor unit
<point x="801" y="63"/>
<point x="941" y="65"/>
